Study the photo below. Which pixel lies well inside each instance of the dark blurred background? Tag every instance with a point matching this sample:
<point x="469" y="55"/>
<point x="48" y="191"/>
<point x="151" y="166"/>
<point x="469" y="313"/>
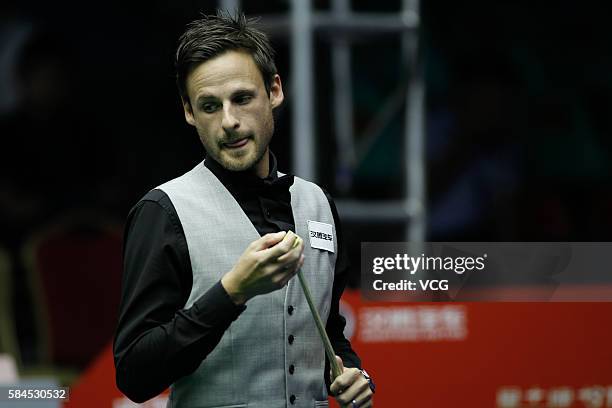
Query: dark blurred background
<point x="517" y="136"/>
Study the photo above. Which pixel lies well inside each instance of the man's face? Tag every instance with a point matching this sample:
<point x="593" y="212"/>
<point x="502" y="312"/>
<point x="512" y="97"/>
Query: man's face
<point x="231" y="110"/>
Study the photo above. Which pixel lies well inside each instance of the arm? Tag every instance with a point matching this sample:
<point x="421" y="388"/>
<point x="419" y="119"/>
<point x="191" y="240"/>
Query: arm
<point x="157" y="340"/>
<point x="335" y="321"/>
<point x="351" y="385"/>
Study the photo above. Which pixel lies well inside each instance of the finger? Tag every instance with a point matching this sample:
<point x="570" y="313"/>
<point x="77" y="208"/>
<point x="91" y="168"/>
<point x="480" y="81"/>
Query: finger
<point x="281" y="248"/>
<point x="365" y="398"/>
<point x="290" y="270"/>
<point x="294" y="253"/>
<point x="292" y="267"/>
<point x="359" y="391"/>
<point x="367" y="404"/>
<point x="288" y="277"/>
<point x="341" y="365"/>
<point x="268" y="240"/>
<point x="289" y="265"/>
<point x="343" y="383"/>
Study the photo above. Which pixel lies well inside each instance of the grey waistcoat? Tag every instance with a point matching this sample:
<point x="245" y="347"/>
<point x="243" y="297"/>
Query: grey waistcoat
<point x="250" y="365"/>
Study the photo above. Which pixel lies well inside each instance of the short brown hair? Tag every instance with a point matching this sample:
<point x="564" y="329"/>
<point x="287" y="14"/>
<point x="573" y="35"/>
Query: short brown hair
<point x="213" y="35"/>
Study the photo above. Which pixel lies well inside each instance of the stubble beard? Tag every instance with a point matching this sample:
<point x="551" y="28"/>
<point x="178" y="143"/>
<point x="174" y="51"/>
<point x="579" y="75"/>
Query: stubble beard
<point x="248" y="160"/>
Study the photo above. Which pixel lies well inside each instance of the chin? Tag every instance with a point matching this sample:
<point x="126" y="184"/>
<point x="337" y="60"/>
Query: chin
<point x="242" y="162"/>
<point x="238" y="165"/>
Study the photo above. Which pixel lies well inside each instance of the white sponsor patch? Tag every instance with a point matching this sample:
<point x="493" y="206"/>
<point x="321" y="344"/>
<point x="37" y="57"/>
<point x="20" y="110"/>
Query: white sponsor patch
<point x="321" y="235"/>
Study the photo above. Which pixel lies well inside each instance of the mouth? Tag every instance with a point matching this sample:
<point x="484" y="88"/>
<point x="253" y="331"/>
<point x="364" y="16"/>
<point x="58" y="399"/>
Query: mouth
<point x="237" y="144"/>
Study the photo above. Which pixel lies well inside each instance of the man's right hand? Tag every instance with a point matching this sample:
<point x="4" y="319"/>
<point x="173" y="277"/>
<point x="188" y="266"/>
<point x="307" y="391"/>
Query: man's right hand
<point x="265" y="266"/>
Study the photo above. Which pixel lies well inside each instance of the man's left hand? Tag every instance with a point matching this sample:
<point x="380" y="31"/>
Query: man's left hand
<point x="351" y="389"/>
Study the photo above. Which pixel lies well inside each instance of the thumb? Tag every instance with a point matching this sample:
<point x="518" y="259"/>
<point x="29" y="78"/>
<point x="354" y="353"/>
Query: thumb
<point x="336" y="388"/>
<point x="340" y="364"/>
<point x="268" y="240"/>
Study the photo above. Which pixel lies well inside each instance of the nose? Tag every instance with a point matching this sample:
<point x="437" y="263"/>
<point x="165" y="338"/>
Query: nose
<point x="230" y="121"/>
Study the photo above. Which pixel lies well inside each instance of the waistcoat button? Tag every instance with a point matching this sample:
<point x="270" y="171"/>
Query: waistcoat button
<point x="291" y="369"/>
<point x="290" y="310"/>
<point x="291" y="338"/>
<point x="292" y="399"/>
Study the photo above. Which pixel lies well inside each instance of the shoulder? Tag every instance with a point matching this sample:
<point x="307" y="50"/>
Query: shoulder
<point x="303" y="184"/>
<point x="312" y="187"/>
<point x="198" y="174"/>
<point x="155" y="198"/>
<point x="154" y="208"/>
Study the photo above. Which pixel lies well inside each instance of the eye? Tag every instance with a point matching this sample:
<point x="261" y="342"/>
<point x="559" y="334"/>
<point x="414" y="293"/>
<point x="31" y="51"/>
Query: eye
<point x="209" y="107"/>
<point x="243" y="99"/>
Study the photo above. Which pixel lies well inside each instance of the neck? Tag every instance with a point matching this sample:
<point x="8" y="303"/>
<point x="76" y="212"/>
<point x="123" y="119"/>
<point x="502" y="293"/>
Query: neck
<point x="262" y="167"/>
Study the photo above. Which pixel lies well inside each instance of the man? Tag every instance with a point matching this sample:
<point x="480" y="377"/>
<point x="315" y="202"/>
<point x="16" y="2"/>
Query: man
<point x="209" y="305"/>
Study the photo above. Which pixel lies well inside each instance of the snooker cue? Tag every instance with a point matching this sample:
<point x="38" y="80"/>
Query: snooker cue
<point x="329" y="351"/>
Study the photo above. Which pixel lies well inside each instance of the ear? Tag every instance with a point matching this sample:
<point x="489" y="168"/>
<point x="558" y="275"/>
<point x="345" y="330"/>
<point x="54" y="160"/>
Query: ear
<point x="188" y="112"/>
<point x="276" y="92"/>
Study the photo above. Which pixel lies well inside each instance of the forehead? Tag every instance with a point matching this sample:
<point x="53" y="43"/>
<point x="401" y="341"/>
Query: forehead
<point x="224" y="73"/>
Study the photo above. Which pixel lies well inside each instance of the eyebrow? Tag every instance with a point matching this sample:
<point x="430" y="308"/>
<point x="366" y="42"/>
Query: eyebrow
<point x="238" y="92"/>
<point x="205" y="98"/>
